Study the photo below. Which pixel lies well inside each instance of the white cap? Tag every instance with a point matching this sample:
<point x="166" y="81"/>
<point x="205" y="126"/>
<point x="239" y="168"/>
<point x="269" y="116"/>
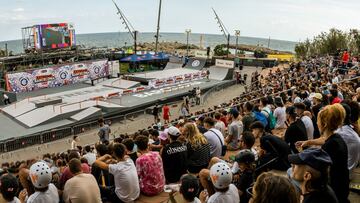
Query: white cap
<point x="173" y="131"/>
<point x="221" y="175"/>
<point x="40" y="174"/>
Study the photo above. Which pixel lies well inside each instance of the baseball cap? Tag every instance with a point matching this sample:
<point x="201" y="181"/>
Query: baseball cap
<point x="318" y="96"/>
<point x="315" y="157"/>
<point x="173" y="131"/>
<point x="163" y="135"/>
<point x="233" y="112"/>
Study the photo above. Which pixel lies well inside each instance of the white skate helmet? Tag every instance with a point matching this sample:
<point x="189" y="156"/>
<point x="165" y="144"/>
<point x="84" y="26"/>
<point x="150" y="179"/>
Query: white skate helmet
<point x="40" y="174"/>
<point x="221" y="175"/>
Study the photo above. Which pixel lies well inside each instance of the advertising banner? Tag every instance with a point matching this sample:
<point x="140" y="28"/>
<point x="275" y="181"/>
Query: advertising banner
<point x="159" y="83"/>
<point x="56" y="76"/>
<point x="224" y="63"/>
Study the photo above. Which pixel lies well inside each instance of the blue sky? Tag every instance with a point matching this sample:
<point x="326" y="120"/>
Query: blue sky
<point x="281" y="19"/>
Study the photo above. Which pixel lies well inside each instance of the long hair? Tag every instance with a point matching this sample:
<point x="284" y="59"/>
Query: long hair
<point x="194" y="137"/>
<point x="271" y="188"/>
<point x="331" y="117"/>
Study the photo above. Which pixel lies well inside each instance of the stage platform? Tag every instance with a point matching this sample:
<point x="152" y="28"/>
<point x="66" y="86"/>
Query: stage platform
<point x="71" y="107"/>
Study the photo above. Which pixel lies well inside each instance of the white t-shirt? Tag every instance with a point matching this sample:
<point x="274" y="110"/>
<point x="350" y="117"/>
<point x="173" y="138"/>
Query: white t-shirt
<point x="6" y="97"/>
<point x="126" y="180"/>
<point x="230" y="196"/>
<point x="352" y="142"/>
<point x="220" y="126"/>
<point x="215" y="144"/>
<point x="196" y="200"/>
<point x="49" y="196"/>
<point x="15" y="200"/>
<point x="73" y="144"/>
<point x="90" y="157"/>
<point x="280" y="115"/>
<point x="309" y="126"/>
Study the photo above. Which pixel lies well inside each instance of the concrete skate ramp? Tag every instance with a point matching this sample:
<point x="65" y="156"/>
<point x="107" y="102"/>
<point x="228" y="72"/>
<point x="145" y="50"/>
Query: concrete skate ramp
<point x="221" y="73"/>
<point x="171" y="65"/>
<point x="196" y="63"/>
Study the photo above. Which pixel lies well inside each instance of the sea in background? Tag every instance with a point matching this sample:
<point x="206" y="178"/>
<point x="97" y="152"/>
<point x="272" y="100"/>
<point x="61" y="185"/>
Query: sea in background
<point x="119" y="39"/>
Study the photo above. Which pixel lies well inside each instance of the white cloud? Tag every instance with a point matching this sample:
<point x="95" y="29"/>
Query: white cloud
<point x="19" y="10"/>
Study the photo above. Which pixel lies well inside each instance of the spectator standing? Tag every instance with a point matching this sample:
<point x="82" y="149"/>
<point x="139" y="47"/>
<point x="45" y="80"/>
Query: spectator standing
<point x="6" y="99"/>
<point x="155" y="112"/>
<point x="198" y="96"/>
<point x="75" y="142"/>
<point x="104" y="132"/>
<point x="166" y="113"/>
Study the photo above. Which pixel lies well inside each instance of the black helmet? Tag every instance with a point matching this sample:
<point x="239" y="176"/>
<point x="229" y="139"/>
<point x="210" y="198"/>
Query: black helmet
<point x="245" y="156"/>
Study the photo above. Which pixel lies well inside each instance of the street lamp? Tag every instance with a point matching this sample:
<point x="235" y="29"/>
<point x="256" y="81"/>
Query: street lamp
<point x="188" y="31"/>
<point x="237" y="34"/>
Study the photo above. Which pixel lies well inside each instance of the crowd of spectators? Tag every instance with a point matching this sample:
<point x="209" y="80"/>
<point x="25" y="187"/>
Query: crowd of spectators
<point x="302" y="121"/>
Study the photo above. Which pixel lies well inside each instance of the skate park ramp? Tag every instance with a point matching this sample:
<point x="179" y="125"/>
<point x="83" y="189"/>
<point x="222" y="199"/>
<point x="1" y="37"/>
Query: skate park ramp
<point x="196" y="63"/>
<point x="223" y="70"/>
<point x="221" y="73"/>
<point x="171" y="65"/>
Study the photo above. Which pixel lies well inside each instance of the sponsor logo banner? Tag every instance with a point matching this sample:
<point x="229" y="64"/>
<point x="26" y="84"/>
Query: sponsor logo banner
<point x="224" y="63"/>
<point x="56" y="76"/>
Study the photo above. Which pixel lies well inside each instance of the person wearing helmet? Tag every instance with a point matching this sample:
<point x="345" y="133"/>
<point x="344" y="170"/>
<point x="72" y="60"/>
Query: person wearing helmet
<point x="244" y="177"/>
<point x="45" y="192"/>
<point x="221" y="177"/>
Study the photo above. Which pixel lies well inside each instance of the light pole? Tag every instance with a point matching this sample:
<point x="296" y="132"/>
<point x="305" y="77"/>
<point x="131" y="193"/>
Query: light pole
<point x="237" y="34"/>
<point x="158" y="28"/>
<point x="188" y="31"/>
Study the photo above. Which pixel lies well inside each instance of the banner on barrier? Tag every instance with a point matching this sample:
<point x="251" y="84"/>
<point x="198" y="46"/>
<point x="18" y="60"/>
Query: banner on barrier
<point x="224" y="63"/>
<point x="159" y="83"/>
<point x="56" y="76"/>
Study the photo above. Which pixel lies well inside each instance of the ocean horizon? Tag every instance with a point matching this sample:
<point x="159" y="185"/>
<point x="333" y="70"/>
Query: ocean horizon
<point x="120" y="39"/>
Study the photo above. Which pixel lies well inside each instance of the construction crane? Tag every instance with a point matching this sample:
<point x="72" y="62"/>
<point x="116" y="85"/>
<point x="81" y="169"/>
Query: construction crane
<point x="223" y="30"/>
<point x="128" y="26"/>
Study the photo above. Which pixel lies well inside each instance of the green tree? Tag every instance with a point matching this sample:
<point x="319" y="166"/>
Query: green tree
<point x="220" y="50"/>
<point x="328" y="43"/>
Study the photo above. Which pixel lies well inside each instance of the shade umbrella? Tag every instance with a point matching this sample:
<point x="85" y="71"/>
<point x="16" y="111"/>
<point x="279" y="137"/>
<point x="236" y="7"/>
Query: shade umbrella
<point x="162" y="55"/>
<point x="132" y="58"/>
<point x="150" y="57"/>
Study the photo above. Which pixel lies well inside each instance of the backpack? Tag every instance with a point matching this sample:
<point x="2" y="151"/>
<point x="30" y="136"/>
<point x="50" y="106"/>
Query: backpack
<point x="261" y="117"/>
<point x="271" y="119"/>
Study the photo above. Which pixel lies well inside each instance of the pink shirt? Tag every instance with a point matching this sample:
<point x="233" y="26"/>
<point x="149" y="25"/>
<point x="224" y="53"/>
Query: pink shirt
<point x="150" y="170"/>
